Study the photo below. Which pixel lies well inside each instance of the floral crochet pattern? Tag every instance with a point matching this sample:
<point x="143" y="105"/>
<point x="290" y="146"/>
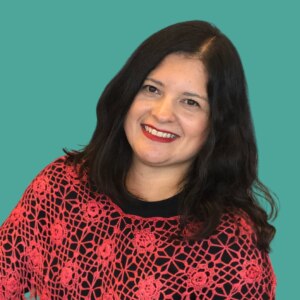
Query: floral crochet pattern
<point x="57" y="232"/>
<point x="69" y="275"/>
<point x="251" y="271"/>
<point x="106" y="252"/>
<point x="66" y="241"/>
<point x="149" y="289"/>
<point x="144" y="241"/>
<point x="199" y="277"/>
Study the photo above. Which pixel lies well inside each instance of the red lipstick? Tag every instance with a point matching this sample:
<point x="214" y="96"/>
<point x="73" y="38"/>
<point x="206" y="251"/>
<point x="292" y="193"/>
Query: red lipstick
<point x="158" y="138"/>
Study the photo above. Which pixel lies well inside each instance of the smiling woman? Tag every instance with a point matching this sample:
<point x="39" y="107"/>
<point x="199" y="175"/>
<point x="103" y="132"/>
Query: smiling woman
<point x="166" y="126"/>
<point x="162" y="203"/>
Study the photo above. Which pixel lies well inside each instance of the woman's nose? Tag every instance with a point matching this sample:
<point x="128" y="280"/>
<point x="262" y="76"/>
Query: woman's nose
<point x="163" y="110"/>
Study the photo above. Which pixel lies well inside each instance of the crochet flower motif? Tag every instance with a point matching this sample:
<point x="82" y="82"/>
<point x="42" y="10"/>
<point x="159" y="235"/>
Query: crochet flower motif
<point x="41" y="186"/>
<point x="110" y="295"/>
<point x="191" y="228"/>
<point x="45" y="295"/>
<point x="35" y="258"/>
<point x="144" y="240"/>
<point x="251" y="271"/>
<point x="244" y="225"/>
<point x="58" y="232"/>
<point x="17" y="215"/>
<point x="10" y="282"/>
<point x="72" y="175"/>
<point x="106" y="252"/>
<point x="198" y="277"/>
<point x="92" y="211"/>
<point x="69" y="275"/>
<point x="149" y="289"/>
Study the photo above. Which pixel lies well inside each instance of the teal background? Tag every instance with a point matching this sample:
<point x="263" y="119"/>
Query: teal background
<point x="57" y="56"/>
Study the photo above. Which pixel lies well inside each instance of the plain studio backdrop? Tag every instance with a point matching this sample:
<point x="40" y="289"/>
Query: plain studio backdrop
<point x="57" y="56"/>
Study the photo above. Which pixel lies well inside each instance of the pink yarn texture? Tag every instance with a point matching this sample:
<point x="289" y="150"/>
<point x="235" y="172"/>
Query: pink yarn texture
<point x="65" y="241"/>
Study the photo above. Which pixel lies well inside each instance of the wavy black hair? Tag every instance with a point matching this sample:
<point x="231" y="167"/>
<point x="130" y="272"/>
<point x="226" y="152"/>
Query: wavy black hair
<point x="223" y="176"/>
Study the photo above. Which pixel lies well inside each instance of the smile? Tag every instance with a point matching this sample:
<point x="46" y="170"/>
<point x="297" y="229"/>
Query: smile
<point x="157" y="135"/>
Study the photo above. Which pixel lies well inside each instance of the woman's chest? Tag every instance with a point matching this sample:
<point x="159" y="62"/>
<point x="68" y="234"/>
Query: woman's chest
<point x="117" y="258"/>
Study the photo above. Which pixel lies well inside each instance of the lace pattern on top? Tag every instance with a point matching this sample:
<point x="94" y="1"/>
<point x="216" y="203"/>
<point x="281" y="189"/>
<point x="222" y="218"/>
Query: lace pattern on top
<point x="64" y="241"/>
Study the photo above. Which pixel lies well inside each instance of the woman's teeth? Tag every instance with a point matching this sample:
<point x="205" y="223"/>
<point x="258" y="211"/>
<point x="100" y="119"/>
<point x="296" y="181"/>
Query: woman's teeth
<point x="159" y="133"/>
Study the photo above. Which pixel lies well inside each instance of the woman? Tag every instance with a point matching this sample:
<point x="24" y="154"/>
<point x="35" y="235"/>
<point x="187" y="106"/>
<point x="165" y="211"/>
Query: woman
<point x="162" y="203"/>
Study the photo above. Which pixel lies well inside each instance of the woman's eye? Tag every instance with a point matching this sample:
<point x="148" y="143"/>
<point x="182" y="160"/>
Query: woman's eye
<point x="191" y="102"/>
<point x="150" y="89"/>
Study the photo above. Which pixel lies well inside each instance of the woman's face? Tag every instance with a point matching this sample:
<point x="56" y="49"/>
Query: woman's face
<point x="167" y="122"/>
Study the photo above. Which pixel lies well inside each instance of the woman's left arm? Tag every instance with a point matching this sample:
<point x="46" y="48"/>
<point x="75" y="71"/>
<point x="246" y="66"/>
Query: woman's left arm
<point x="243" y="270"/>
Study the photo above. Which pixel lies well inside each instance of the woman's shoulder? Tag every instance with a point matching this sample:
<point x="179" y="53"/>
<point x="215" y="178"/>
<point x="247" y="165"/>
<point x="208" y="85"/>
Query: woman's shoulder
<point x="57" y="166"/>
<point x="54" y="178"/>
<point x="236" y="230"/>
<point x="236" y="222"/>
<point x="61" y="170"/>
<point x="231" y="224"/>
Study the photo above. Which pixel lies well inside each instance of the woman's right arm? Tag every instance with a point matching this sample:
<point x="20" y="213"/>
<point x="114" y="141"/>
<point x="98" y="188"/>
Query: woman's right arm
<point x="21" y="261"/>
<point x="15" y="234"/>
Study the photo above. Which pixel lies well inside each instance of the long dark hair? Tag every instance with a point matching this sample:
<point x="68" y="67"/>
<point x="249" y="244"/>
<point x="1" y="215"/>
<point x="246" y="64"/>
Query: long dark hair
<point x="224" y="175"/>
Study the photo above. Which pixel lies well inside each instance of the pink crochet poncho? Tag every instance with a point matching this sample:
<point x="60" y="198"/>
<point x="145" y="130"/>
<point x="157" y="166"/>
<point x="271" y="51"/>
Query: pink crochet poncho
<point x="65" y="241"/>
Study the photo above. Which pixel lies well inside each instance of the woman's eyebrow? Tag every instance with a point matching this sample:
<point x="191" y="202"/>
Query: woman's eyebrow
<point x="185" y="93"/>
<point x="155" y="81"/>
<point x="195" y="95"/>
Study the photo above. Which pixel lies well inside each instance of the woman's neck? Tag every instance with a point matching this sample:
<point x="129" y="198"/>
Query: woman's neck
<point x="153" y="183"/>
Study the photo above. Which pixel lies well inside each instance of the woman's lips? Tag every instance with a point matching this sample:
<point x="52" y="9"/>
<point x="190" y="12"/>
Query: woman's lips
<point x="157" y="135"/>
